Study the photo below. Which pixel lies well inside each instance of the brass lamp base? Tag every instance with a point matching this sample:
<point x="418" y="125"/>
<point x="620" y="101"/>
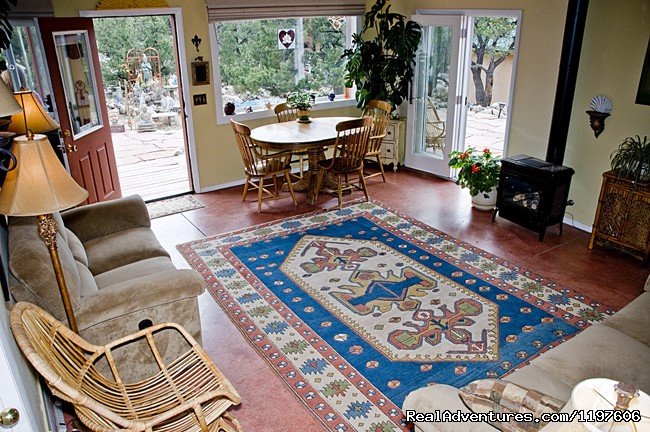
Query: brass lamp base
<point x="47" y="229"/>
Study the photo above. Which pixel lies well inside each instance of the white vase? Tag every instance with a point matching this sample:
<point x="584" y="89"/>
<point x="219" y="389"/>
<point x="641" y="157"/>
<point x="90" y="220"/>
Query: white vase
<point x="479" y="201"/>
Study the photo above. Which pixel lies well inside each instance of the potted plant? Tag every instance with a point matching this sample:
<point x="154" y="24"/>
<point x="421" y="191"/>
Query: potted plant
<point x="302" y="101"/>
<point x="382" y="66"/>
<point x="631" y="159"/>
<point x="479" y="172"/>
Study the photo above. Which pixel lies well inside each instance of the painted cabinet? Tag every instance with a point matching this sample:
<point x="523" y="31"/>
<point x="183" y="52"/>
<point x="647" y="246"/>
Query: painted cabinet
<point x="392" y="146"/>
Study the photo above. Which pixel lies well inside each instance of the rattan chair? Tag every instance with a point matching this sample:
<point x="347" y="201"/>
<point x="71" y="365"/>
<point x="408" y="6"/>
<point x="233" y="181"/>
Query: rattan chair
<point x="188" y="394"/>
<point x="286" y="114"/>
<point x="349" y="151"/>
<point x="260" y="165"/>
<point x="380" y="113"/>
<point x="434" y="127"/>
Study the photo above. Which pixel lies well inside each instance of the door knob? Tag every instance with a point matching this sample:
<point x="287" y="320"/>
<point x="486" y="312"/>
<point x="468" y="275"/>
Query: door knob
<point x="9" y="417"/>
<point x="66" y="133"/>
<point x="70" y="148"/>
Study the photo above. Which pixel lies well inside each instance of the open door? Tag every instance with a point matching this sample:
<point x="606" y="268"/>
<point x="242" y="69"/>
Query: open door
<point x="71" y="55"/>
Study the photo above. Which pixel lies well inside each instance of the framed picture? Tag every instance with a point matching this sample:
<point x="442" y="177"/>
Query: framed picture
<point x="200" y="73"/>
<point x="643" y="94"/>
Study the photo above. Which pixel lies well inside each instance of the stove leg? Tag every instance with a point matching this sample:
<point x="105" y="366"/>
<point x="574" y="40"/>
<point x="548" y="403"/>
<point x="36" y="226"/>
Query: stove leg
<point x="561" y="228"/>
<point x="541" y="234"/>
<point x="494" y="215"/>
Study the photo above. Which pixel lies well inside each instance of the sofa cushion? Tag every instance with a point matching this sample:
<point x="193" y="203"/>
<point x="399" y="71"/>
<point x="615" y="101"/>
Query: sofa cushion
<point x="538" y="379"/>
<point x="633" y="319"/>
<point x="87" y="280"/>
<point x="31" y="266"/>
<point x="500" y="396"/>
<point x="122" y="248"/>
<point x="598" y="351"/>
<point x="77" y="249"/>
<point x="133" y="271"/>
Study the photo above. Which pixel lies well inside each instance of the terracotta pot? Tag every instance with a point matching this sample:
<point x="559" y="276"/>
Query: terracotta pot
<point x="479" y="201"/>
<point x="303" y="116"/>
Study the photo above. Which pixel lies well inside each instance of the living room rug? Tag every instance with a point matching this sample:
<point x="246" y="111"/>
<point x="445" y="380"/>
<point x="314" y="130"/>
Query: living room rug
<point x="174" y="205"/>
<point x="355" y="308"/>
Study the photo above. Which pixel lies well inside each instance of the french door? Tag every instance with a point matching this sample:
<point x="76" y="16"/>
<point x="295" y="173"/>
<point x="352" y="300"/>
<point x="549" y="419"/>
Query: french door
<point x="436" y="94"/>
<point x="73" y="63"/>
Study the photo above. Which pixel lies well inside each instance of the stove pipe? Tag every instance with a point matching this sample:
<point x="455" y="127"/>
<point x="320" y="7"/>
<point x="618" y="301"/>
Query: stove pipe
<point x="574" y="29"/>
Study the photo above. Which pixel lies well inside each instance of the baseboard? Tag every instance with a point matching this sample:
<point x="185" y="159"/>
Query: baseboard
<point x="568" y="220"/>
<point x="231" y="184"/>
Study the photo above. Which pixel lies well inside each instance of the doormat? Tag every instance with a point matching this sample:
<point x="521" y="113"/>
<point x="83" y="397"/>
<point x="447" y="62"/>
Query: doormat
<point x="173" y="205"/>
<point x="355" y="308"/>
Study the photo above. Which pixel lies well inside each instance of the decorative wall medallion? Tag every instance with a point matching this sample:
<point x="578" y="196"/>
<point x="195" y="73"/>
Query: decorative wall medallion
<point x="286" y="38"/>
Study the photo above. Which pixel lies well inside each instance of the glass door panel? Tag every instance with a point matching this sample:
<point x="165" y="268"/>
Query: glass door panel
<point x="433" y="105"/>
<point x="79" y="84"/>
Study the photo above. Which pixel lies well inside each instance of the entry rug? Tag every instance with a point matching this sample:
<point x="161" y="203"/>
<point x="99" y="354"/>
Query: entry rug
<point x="355" y="308"/>
<point x="174" y="205"/>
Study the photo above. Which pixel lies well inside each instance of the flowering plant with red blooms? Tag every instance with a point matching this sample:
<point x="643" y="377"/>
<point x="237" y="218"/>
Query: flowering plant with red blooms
<point x="477" y="170"/>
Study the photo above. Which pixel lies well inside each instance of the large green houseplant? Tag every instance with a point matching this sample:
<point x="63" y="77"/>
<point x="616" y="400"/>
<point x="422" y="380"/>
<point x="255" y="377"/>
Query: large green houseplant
<point x="381" y="62"/>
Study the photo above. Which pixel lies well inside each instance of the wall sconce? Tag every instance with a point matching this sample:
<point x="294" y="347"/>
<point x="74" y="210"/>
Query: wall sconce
<point x="600" y="106"/>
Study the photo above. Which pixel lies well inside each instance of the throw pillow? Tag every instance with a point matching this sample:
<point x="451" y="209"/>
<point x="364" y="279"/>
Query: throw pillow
<point x="505" y="397"/>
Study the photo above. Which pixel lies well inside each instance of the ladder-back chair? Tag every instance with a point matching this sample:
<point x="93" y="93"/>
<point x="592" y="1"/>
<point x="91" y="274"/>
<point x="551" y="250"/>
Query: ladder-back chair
<point x="286" y="114"/>
<point x="260" y="165"/>
<point x="349" y="152"/>
<point x="379" y="111"/>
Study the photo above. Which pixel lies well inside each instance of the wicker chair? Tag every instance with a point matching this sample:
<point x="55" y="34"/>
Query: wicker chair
<point x="286" y="114"/>
<point x="380" y="113"/>
<point x="260" y="165"/>
<point x="434" y="127"/>
<point x="349" y="151"/>
<point x="188" y="394"/>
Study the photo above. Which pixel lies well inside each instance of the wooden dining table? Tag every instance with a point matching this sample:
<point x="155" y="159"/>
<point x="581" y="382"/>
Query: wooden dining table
<point x="310" y="137"/>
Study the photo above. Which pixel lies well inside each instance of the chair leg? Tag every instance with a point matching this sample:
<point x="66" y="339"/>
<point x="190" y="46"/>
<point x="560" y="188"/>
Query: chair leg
<point x="293" y="195"/>
<point x="381" y="168"/>
<point x="319" y="180"/>
<point x="248" y="179"/>
<point x="226" y="423"/>
<point x="362" y="182"/>
<point x="340" y="190"/>
<point x="260" y="191"/>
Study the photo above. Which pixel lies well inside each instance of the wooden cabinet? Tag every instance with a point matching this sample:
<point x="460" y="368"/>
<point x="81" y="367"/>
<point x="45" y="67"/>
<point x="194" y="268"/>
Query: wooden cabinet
<point x="392" y="146"/>
<point x="623" y="216"/>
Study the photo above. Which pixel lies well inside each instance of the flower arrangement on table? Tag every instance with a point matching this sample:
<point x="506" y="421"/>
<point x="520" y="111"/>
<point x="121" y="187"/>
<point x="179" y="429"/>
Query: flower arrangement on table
<point x="302" y="101"/>
<point x="478" y="171"/>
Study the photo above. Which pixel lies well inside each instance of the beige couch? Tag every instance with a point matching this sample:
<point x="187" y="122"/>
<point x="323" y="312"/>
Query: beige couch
<point x="119" y="276"/>
<point x="618" y="348"/>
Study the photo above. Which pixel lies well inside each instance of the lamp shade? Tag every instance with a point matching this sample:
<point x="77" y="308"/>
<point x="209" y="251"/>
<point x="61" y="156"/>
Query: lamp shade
<point x="39" y="184"/>
<point x="8" y="103"/>
<point x="33" y="116"/>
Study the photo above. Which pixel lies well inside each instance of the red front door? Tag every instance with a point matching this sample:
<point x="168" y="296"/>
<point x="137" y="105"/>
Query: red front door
<point x="71" y="55"/>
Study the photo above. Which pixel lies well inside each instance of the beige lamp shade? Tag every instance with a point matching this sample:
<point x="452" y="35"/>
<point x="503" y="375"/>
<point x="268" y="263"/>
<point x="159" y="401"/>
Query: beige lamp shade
<point x="8" y="103"/>
<point x="39" y="184"/>
<point x="33" y="116"/>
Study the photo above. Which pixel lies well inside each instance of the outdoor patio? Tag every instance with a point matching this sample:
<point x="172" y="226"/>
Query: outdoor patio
<point x="151" y="164"/>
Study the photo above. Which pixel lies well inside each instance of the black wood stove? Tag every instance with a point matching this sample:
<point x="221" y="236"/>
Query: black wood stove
<point x="532" y="192"/>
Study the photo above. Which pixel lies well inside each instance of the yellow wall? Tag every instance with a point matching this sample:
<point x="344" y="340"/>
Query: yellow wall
<point x="613" y="49"/>
<point x="217" y="156"/>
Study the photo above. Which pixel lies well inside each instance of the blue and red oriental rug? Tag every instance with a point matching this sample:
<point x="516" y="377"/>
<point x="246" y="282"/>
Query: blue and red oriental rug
<point x="355" y="308"/>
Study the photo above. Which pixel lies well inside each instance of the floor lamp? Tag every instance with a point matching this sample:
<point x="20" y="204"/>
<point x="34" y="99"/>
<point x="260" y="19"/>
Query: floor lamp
<point x="40" y="186"/>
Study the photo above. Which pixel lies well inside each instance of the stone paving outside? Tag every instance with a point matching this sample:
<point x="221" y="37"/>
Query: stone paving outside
<point x="154" y="164"/>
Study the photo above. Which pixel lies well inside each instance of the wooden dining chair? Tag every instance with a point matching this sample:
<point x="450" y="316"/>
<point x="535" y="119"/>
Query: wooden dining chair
<point x="285" y="114"/>
<point x="188" y="394"/>
<point x="349" y="152"/>
<point x="260" y="165"/>
<point x="379" y="111"/>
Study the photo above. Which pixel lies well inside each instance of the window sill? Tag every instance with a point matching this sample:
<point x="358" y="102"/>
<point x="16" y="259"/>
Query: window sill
<point x="224" y="119"/>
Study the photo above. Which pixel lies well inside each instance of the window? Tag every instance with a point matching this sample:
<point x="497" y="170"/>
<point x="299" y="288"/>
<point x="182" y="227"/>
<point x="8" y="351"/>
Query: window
<point x="260" y="61"/>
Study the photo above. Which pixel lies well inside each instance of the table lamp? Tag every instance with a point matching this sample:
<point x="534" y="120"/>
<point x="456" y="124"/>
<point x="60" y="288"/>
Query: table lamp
<point x="8" y="106"/>
<point x="32" y="116"/>
<point x="595" y="398"/>
<point x="39" y="186"/>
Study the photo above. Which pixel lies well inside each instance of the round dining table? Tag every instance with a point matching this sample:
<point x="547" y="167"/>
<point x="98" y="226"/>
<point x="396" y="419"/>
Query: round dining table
<point x="311" y="137"/>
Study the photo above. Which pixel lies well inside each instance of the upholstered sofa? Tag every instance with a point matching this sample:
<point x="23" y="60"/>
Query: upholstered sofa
<point x="119" y="276"/>
<point x="618" y="348"/>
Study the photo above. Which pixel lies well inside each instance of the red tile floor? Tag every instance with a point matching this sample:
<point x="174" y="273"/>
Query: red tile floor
<point x="267" y="405"/>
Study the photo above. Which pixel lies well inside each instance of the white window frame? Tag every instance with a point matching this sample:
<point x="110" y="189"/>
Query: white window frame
<point x="265" y="113"/>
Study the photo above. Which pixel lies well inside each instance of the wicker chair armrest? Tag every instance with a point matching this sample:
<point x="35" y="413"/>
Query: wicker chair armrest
<point x="149" y="331"/>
